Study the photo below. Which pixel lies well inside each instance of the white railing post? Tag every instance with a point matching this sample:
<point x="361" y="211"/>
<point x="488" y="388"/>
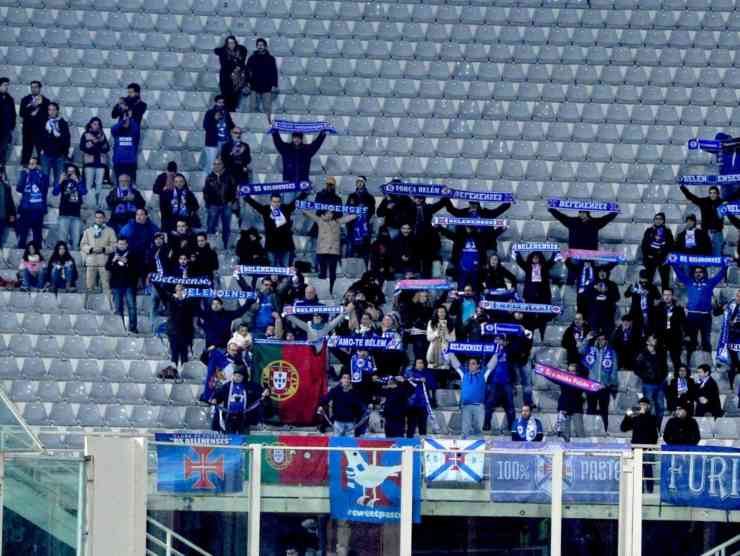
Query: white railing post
<point x="255" y="492"/>
<point x="635" y="507"/>
<point x="407" y="500"/>
<point x="624" y="526"/>
<point x="556" y="503"/>
<point x="168" y="542"/>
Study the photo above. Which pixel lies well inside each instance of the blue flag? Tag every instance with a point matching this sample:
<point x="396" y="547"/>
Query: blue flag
<point x="217" y="362"/>
<point x="185" y="466"/>
<point x="707" y="480"/>
<point x="366" y="485"/>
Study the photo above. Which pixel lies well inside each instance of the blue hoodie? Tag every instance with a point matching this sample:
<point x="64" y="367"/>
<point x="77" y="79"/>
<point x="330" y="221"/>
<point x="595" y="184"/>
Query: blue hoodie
<point x="699" y="293"/>
<point x="139" y="236"/>
<point x="125" y="142"/>
<point x="473" y="387"/>
<point x="33" y="185"/>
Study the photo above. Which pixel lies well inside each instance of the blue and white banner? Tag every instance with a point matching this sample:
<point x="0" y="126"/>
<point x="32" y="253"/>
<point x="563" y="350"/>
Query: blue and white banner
<point x="422" y="284"/>
<point x="285" y="126"/>
<point x="273" y="188"/>
<point x="709" y="180"/>
<point x="264" y="270"/>
<point x="442" y="190"/>
<point x="527" y="478"/>
<point x="519" y="307"/>
<point x="365" y="484"/>
<point x="494" y="329"/>
<point x="473" y="222"/>
<point x="171" y="280"/>
<point x="210" y="293"/>
<point x="697" y="260"/>
<point x="313" y="309"/>
<point x="708" y="145"/>
<point x="185" y="465"/>
<point x="709" y="480"/>
<point x="582" y="204"/>
<point x="728" y="208"/>
<point x="544" y="247"/>
<point x="376" y="343"/>
<point x="308" y="205"/>
<point x="472" y="348"/>
<point x="598" y="255"/>
<point x="450" y="460"/>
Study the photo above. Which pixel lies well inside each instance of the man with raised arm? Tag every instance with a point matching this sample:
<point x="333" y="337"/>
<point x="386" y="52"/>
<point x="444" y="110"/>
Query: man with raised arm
<point x="473" y="394"/>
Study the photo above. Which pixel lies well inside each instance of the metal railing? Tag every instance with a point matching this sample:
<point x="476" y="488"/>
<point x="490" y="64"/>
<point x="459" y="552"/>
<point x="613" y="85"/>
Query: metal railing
<point x="166" y="544"/>
<point x="724" y="548"/>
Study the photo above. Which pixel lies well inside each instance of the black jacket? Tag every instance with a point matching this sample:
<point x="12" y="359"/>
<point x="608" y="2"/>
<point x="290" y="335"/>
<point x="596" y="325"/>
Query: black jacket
<point x="653" y="253"/>
<point x="674" y="334"/>
<point x="7" y="114"/>
<point x="210" y="127"/>
<point x="536" y="292"/>
<point x="489" y="239"/>
<point x="687" y="399"/>
<point x="204" y="262"/>
<point x="710" y="391"/>
<point x="601" y="305"/>
<point x="297" y="160"/>
<point x="180" y="314"/>
<point x="407" y="247"/>
<point x="276" y="238"/>
<point x="250" y="252"/>
<point x="570" y="344"/>
<point x="219" y="190"/>
<point x="710" y="220"/>
<point x="583" y="234"/>
<point x="135" y="105"/>
<point x="634" y="295"/>
<point x="645" y="428"/>
<point x="684" y="432"/>
<point x="347" y="406"/>
<point x="34" y="124"/>
<point x="123" y="272"/>
<point x="237" y="163"/>
<point x="169" y="217"/>
<point x="703" y="243"/>
<point x="56" y="146"/>
<point x="396" y="210"/>
<point x="650" y="367"/>
<point x="627" y="347"/>
<point x="262" y="73"/>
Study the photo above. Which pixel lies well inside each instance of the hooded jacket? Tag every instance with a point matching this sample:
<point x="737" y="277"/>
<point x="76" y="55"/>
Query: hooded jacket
<point x="297" y="160"/>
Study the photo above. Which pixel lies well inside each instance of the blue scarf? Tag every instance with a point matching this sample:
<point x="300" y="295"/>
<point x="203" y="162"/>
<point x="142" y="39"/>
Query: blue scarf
<point x="582" y="204"/>
<point x="441" y="190"/>
<point x="658" y="238"/>
<point x="728" y="208"/>
<point x="237" y="401"/>
<point x="586" y="277"/>
<point x="128" y="206"/>
<point x="724" y="344"/>
<point x="360" y="366"/>
<point x="253" y="270"/>
<point x="178" y="203"/>
<point x="308" y="205"/>
<point x="520" y="307"/>
<point x="391" y="343"/>
<point x="223" y="294"/>
<point x="709" y="180"/>
<point x="313" y="309"/>
<point x="697" y="260"/>
<point x="472" y="222"/>
<point x="490" y="329"/>
<point x="284" y="126"/>
<point x="360" y="230"/>
<point x="472" y="348"/>
<point x="271" y="188"/>
<point x="707" y="145"/>
<point x="544" y="247"/>
<point x="161" y="279"/>
<point x="470" y="256"/>
<point x="607" y="359"/>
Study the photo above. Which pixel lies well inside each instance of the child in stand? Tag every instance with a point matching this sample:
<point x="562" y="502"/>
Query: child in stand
<point x="242" y="338"/>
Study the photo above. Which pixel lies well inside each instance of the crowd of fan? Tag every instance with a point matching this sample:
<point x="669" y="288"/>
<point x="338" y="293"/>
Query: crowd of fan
<point x="396" y="239"/>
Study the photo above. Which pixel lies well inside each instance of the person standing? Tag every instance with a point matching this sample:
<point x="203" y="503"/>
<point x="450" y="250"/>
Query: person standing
<point x="681" y="429"/>
<point x="732" y="318"/>
<point x="328" y="247"/>
<point x="72" y="190"/>
<point x="126" y="135"/>
<point x="217" y="124"/>
<point x="657" y="242"/>
<point x="94" y="147"/>
<point x="711" y="222"/>
<point x="181" y="311"/>
<point x="669" y="326"/>
<point x="123" y="202"/>
<point x="297" y="155"/>
<point x="140" y="234"/>
<point x="7" y="208"/>
<point x="681" y="391"/>
<point x="500" y="390"/>
<point x="693" y="240"/>
<point x="651" y="369"/>
<point x="7" y="121"/>
<point x="707" y="394"/>
<point x="278" y="228"/>
<point x="179" y="203"/>
<point x="55" y="143"/>
<point x="33" y="186"/>
<point x="98" y="242"/>
<point x="131" y="105"/>
<point x="422" y="399"/>
<point x="645" y="429"/>
<point x="34" y="110"/>
<point x="237" y="157"/>
<point x="232" y="76"/>
<point x="627" y="341"/>
<point x="123" y="278"/>
<point x="573" y="336"/>
<point x="347" y="407"/>
<point x="527" y="428"/>
<point x="263" y="78"/>
<point x="219" y="195"/>
<point x="603" y="366"/>
<point x="473" y="392"/>
<point x="644" y="296"/>
<point x="236" y="401"/>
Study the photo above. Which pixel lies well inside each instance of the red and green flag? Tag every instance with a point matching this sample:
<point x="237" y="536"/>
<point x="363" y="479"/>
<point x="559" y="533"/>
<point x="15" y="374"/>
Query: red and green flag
<point x="289" y="459"/>
<point x="296" y="376"/>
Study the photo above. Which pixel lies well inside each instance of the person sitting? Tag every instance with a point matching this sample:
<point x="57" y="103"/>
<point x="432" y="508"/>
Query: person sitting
<point x="32" y="268"/>
<point x="62" y="269"/>
<point x="682" y="429"/>
<point x="527" y="428"/>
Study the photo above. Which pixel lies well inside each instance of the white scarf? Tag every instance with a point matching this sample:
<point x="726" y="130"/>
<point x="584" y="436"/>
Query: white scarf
<point x="52" y="126"/>
<point x="278" y="217"/>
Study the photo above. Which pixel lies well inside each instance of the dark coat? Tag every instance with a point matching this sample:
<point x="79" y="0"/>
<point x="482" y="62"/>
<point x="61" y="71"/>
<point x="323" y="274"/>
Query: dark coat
<point x="674" y="335"/>
<point x="34" y="124"/>
<point x="536" y="292"/>
<point x="583" y="234"/>
<point x="7" y="114"/>
<point x="277" y="238"/>
<point x="684" y="432"/>
<point x="262" y="74"/>
<point x="169" y="218"/>
<point x="627" y="349"/>
<point x="703" y="243"/>
<point x="219" y="190"/>
<point x="210" y="127"/>
<point x="649" y="252"/>
<point x="645" y="428"/>
<point x="710" y="220"/>
<point x="297" y="160"/>
<point x="122" y="274"/>
<point x="710" y="391"/>
<point x="56" y="146"/>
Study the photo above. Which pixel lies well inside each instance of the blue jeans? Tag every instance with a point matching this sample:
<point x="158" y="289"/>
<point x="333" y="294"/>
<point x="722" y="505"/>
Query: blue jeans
<point x="656" y="395"/>
<point x="718" y="242"/>
<point x="53" y="166"/>
<point x="31" y="221"/>
<point x="223" y="213"/>
<point x="498" y="394"/>
<point x="472" y="420"/>
<point x="32" y="280"/>
<point x="70" y="230"/>
<point x="281" y="258"/>
<point x="63" y="278"/>
<point x="525" y="379"/>
<point x="344" y="428"/>
<point x="94" y="180"/>
<point x="129" y="295"/>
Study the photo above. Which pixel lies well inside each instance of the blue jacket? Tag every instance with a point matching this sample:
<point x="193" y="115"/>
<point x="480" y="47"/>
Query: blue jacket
<point x="473" y="388"/>
<point x="519" y="432"/>
<point x="699" y="293"/>
<point x="125" y="142"/>
<point x="139" y="236"/>
<point x="34" y="187"/>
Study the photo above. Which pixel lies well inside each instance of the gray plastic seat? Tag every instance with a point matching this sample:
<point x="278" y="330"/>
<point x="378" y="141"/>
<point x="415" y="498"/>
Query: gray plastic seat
<point x="144" y="416"/>
<point x="156" y="393"/>
<point x="129" y="393"/>
<point x="24" y="391"/>
<point x="117" y="416"/>
<point x="114" y="370"/>
<point x="35" y="414"/>
<point x="62" y="415"/>
<point x="89" y="415"/>
<point x="75" y="392"/>
<point x="34" y="323"/>
<point x="182" y="393"/>
<point x="9" y="322"/>
<point x="198" y="418"/>
<point x="102" y="392"/>
<point x="49" y="391"/>
<point x="171" y="417"/>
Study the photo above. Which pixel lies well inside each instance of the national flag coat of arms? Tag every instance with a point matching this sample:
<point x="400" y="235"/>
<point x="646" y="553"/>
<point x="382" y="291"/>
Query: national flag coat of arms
<point x="186" y="465"/>
<point x="289" y="459"/>
<point x="296" y="376"/>
<point x="459" y="461"/>
<point x="365" y="485"/>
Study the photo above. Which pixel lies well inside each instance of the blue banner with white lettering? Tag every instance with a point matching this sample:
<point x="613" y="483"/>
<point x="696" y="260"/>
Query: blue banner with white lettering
<point x="365" y="485"/>
<point x="707" y="480"/>
<point x="186" y="465"/>
<point x="528" y="478"/>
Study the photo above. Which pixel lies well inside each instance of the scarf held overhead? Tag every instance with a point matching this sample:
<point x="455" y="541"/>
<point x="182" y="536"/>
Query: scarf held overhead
<point x="473" y="222"/>
<point x="378" y="343"/>
<point x="567" y="379"/>
<point x="209" y="293"/>
<point x="270" y="188"/>
<point x="709" y="180"/>
<point x="441" y="190"/>
<point x="285" y="126"/>
<point x="519" y="307"/>
<point x="544" y="247"/>
<point x="161" y="279"/>
<point x="582" y="204"/>
<point x="599" y="255"/>
<point x="308" y="205"/>
<point x="423" y="284"/>
<point x="254" y="270"/>
<point x="699" y="260"/>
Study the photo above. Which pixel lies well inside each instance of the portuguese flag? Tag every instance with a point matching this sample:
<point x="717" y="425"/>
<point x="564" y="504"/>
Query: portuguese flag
<point x="285" y="464"/>
<point x="296" y="376"/>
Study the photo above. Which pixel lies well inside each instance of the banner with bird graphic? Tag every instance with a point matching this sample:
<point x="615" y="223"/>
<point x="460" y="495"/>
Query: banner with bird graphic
<point x="365" y="483"/>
